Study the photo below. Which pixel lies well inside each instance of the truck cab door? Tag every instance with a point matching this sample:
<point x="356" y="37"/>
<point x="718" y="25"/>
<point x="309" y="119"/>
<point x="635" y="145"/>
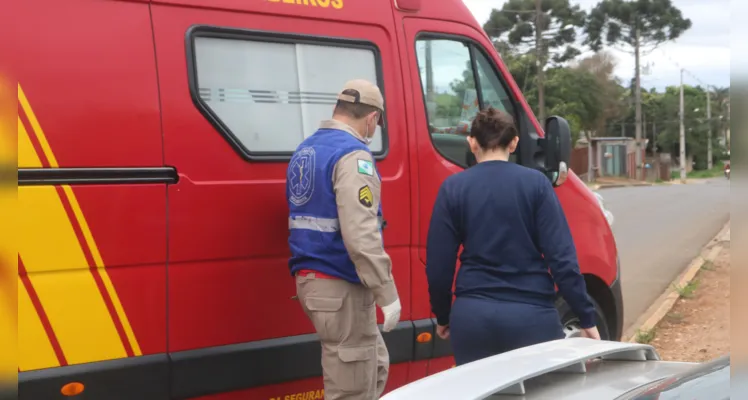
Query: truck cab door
<point x="456" y="71"/>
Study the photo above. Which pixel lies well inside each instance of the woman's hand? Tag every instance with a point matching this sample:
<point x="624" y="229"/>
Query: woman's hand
<point x="591" y="333"/>
<point x="443" y="331"/>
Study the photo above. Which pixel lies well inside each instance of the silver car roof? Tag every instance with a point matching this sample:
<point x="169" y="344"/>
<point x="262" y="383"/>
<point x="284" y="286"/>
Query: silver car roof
<point x="562" y="362"/>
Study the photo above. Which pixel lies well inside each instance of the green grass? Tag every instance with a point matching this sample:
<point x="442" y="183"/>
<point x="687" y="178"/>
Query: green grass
<point x="687" y="291"/>
<point x="645" y="336"/>
<point x="708" y="266"/>
<point x="717" y="170"/>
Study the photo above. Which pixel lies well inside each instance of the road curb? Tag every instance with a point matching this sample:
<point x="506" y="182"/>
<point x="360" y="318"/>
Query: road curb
<point x="691" y="181"/>
<point x="659" y="309"/>
<point x="611" y="186"/>
<point x="618" y="185"/>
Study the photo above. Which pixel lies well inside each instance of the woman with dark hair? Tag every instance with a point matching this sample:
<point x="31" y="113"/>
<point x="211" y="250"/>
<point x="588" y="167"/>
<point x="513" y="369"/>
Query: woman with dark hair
<point x="516" y="245"/>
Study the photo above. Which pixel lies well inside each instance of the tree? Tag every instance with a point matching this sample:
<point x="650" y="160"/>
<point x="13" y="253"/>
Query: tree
<point x="639" y="25"/>
<point x="721" y="113"/>
<point x="602" y="66"/>
<point x="577" y="95"/>
<point x="652" y="112"/>
<point x="665" y="109"/>
<point x="547" y="27"/>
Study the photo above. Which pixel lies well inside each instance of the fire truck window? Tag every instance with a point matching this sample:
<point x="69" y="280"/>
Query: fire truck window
<point x="270" y="95"/>
<point x="449" y="93"/>
<point x="448" y="81"/>
<point x="493" y="92"/>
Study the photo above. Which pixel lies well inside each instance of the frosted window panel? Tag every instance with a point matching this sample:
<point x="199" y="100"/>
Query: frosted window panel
<point x="273" y="95"/>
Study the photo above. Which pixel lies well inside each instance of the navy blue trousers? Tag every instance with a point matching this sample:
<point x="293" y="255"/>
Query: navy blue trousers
<point x="481" y="328"/>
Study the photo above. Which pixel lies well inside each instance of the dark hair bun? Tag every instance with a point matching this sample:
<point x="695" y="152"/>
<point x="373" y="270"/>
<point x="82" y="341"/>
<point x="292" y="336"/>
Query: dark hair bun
<point x="493" y="129"/>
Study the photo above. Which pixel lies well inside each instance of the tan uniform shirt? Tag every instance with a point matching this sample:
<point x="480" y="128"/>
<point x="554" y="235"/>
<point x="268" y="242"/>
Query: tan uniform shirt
<point x="358" y="196"/>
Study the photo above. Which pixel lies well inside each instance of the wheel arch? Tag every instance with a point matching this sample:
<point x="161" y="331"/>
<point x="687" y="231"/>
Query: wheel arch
<point x="603" y="295"/>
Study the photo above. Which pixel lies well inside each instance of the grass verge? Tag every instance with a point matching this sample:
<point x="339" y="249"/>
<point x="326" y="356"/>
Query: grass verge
<point x="717" y="170"/>
<point x="687" y="291"/>
<point x="646" y="336"/>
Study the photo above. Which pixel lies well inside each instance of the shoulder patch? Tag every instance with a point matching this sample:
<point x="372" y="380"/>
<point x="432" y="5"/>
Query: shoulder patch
<point x="300" y="176"/>
<point x="365" y="196"/>
<point x="365" y="167"/>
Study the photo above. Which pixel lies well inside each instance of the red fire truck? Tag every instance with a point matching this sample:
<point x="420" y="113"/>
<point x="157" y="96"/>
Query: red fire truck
<point x="153" y="141"/>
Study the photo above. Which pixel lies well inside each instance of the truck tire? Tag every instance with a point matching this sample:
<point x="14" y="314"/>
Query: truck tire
<point x="571" y="323"/>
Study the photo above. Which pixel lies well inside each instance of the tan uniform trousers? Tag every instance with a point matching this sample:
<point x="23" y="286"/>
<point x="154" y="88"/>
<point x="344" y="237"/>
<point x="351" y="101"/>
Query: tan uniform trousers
<point x="355" y="361"/>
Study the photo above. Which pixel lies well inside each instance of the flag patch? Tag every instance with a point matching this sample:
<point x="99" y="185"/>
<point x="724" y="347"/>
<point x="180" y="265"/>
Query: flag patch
<point x="365" y="167"/>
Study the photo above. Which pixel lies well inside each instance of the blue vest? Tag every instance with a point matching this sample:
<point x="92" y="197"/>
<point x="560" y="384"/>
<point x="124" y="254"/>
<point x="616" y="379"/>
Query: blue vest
<point x="315" y="238"/>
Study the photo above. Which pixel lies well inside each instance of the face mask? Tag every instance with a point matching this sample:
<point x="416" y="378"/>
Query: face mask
<point x="368" y="139"/>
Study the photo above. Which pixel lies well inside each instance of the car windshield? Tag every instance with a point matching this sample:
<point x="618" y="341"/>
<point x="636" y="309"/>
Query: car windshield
<point x="708" y="381"/>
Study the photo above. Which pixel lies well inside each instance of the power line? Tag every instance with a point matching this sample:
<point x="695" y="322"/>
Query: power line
<point x="685" y="70"/>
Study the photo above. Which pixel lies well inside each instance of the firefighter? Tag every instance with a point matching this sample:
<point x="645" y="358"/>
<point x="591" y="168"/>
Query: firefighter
<point x="513" y="231"/>
<point x="337" y="255"/>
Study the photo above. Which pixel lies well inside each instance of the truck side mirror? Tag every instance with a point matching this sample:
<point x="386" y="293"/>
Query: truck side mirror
<point x="557" y="146"/>
<point x="549" y="154"/>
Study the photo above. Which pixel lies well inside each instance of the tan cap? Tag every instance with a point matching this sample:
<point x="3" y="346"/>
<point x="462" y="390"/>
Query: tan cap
<point x="366" y="93"/>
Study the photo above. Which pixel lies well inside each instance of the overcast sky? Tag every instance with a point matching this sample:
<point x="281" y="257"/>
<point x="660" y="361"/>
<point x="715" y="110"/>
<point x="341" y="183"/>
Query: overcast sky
<point x="703" y="51"/>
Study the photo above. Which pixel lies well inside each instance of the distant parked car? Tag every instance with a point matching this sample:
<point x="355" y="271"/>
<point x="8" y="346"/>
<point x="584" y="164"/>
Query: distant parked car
<point x="575" y="368"/>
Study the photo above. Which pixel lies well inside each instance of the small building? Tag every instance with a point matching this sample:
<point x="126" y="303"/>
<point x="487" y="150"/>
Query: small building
<point x="609" y="157"/>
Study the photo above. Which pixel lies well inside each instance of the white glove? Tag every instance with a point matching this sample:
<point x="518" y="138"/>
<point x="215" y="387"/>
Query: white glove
<point x="391" y="315"/>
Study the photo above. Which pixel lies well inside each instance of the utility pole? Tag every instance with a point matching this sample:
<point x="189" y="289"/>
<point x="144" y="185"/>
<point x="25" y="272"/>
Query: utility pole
<point x="682" y="134"/>
<point x="729" y="122"/>
<point x="727" y="130"/>
<point x="540" y="63"/>
<point x="638" y="112"/>
<point x="656" y="155"/>
<point x="709" y="131"/>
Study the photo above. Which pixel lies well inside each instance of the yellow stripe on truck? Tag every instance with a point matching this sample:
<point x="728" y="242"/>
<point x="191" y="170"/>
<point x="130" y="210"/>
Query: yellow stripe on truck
<point x="27" y="157"/>
<point x="102" y="271"/>
<point x="57" y="267"/>
<point x="58" y="271"/>
<point x="33" y="344"/>
<point x="36" y="128"/>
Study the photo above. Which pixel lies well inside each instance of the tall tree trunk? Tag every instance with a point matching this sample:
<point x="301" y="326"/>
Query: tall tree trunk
<point x="540" y="61"/>
<point x="638" y="112"/>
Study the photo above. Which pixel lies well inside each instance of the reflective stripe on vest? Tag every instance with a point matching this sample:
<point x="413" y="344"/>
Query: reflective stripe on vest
<point x="320" y="224"/>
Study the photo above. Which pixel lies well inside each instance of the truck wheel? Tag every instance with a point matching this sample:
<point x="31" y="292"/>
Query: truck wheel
<point x="571" y="322"/>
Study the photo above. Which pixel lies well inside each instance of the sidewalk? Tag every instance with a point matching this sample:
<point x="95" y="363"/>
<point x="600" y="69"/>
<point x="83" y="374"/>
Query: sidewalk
<point x="605" y="183"/>
<point x="697" y="327"/>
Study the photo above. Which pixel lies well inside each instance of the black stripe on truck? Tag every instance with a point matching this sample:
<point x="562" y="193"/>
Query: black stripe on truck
<point x="83" y="176"/>
<point x="211" y="370"/>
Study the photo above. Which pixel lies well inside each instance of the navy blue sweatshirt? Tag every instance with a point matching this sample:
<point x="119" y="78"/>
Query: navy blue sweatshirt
<point x="512" y="229"/>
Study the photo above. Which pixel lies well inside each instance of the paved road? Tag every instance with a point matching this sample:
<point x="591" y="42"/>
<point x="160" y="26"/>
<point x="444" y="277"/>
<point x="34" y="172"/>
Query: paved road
<point x="659" y="230"/>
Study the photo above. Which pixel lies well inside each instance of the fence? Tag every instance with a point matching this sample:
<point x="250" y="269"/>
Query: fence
<point x="579" y="161"/>
<point x="660" y="167"/>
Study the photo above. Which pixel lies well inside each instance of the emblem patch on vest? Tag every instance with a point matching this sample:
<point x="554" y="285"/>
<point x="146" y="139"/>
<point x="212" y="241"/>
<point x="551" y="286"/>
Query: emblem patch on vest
<point x="365" y="196"/>
<point x="365" y="167"/>
<point x="300" y="176"/>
